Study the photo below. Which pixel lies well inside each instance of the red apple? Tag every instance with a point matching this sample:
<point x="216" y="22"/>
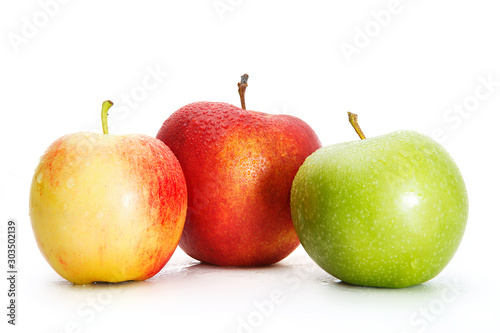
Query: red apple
<point x="107" y="207"/>
<point x="239" y="167"/>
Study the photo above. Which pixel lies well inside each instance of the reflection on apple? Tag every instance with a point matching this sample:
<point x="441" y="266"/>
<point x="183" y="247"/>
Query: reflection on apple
<point x="388" y="211"/>
<point x="239" y="167"/>
<point x="107" y="207"/>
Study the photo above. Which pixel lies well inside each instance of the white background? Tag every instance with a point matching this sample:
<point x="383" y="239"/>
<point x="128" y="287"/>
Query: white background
<point x="414" y="70"/>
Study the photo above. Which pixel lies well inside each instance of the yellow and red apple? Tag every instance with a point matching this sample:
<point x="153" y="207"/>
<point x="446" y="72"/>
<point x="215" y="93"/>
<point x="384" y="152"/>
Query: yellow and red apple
<point x="107" y="207"/>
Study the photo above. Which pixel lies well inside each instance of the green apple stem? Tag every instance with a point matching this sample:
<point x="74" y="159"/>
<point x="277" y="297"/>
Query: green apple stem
<point x="353" y="119"/>
<point x="104" y="115"/>
<point x="242" y="86"/>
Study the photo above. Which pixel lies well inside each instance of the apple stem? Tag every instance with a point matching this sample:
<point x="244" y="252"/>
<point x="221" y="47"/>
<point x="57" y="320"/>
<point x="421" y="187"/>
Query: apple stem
<point x="104" y="115"/>
<point x="242" y="86"/>
<point x="353" y="119"/>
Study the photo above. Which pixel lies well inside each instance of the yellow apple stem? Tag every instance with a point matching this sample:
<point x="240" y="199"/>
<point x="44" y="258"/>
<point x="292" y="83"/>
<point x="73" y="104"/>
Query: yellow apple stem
<point x="353" y="119"/>
<point x="242" y="86"/>
<point x="104" y="115"/>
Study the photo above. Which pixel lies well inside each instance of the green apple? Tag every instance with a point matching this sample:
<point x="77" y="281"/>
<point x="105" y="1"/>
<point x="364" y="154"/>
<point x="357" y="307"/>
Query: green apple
<point x="107" y="207"/>
<point x="388" y="211"/>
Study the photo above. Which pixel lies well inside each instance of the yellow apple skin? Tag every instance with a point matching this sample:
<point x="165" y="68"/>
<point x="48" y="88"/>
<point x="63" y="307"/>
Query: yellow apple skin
<point x="107" y="207"/>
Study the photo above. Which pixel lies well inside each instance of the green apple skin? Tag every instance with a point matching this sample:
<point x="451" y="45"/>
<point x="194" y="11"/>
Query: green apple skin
<point x="388" y="211"/>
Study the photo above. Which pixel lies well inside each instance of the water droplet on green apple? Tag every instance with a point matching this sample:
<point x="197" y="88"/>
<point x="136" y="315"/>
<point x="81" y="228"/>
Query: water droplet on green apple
<point x="415" y="263"/>
<point x="403" y="153"/>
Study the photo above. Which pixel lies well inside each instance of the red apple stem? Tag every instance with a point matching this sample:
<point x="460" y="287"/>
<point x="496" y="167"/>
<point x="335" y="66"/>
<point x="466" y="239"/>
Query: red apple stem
<point x="353" y="119"/>
<point x="104" y="115"/>
<point x="242" y="86"/>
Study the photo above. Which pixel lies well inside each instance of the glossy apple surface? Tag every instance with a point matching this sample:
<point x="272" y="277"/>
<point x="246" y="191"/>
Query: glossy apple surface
<point x="239" y="167"/>
<point x="107" y="207"/>
<point x="388" y="211"/>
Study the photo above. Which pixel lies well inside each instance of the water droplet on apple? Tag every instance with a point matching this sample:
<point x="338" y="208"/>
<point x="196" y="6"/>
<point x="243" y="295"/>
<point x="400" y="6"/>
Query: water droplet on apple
<point x="415" y="263"/>
<point x="70" y="182"/>
<point x="39" y="178"/>
<point x="374" y="160"/>
<point x="100" y="215"/>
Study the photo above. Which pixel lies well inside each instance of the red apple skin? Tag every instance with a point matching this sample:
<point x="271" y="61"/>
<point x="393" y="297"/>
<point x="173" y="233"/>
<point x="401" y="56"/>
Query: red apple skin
<point x="239" y="166"/>
<point x="107" y="207"/>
